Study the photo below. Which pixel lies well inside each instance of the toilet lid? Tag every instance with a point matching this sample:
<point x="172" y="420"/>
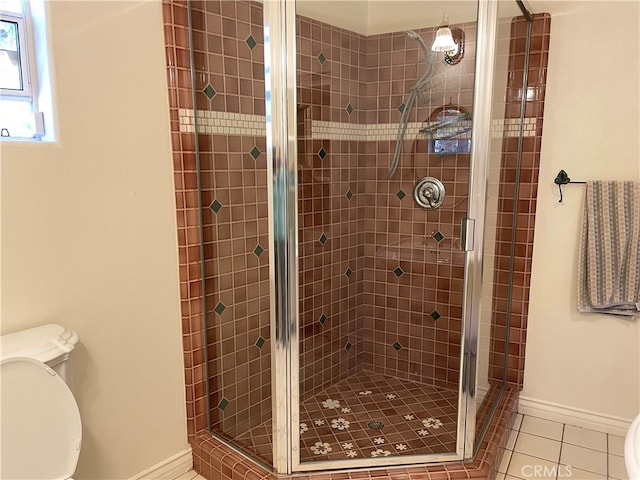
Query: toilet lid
<point x="41" y="429"/>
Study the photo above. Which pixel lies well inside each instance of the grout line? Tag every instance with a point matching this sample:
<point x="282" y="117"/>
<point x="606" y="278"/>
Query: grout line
<point x="607" y="455"/>
<point x="193" y="476"/>
<point x="512" y="452"/>
<point x="563" y="442"/>
<point x="564" y="425"/>
<point x="520" y="424"/>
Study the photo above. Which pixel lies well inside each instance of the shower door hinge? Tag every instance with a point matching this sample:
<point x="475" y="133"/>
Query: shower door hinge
<point x="467" y="234"/>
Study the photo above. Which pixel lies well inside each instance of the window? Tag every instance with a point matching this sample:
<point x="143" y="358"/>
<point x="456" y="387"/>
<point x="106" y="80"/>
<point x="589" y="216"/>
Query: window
<point x="20" y="117"/>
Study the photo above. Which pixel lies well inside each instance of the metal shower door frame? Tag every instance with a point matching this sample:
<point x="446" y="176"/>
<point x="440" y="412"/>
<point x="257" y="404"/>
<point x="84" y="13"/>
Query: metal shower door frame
<point x="280" y="86"/>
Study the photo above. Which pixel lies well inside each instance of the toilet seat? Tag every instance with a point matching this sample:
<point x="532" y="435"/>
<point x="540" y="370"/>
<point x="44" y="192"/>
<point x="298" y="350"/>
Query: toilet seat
<point x="41" y="428"/>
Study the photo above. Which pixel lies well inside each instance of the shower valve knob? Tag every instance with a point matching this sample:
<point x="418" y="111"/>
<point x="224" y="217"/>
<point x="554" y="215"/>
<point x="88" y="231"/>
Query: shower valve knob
<point x="429" y="193"/>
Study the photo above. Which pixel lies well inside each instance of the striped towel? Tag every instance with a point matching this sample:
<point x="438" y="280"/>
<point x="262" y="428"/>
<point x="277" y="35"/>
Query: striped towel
<point x="609" y="261"/>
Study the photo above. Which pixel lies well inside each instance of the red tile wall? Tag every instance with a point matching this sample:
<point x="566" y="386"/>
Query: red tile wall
<point x="238" y="370"/>
<point x="236" y="274"/>
<point x="372" y="308"/>
<point x="330" y="75"/>
<point x="526" y="205"/>
<point x="421" y="309"/>
<point x="184" y="164"/>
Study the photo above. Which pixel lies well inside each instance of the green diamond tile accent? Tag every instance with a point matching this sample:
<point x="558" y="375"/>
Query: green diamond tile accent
<point x="400" y="194"/>
<point x="399" y="272"/>
<point x="322" y="319"/>
<point x="210" y="92"/>
<point x="322" y="58"/>
<point x="438" y="237"/>
<point x="220" y="308"/>
<point x="323" y="239"/>
<point x="396" y="346"/>
<point x="435" y="315"/>
<point x="258" y="251"/>
<point x="348" y="346"/>
<point x="255" y="153"/>
<point x="215" y="206"/>
<point x="223" y="404"/>
<point x="251" y="42"/>
<point x="322" y="153"/>
<point x="349" y="195"/>
<point x="349" y="108"/>
<point x="401" y="108"/>
<point x="348" y="272"/>
<point x="260" y="342"/>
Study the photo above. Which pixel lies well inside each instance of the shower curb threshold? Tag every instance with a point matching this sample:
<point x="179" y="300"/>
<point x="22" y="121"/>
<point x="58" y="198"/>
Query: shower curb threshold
<point x="215" y="460"/>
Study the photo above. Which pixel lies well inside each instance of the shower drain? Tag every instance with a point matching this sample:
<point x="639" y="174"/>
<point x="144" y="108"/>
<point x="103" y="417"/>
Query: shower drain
<point x="376" y="425"/>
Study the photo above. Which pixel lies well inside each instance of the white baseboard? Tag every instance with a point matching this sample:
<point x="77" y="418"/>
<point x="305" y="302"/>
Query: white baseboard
<point x="574" y="416"/>
<point x="169" y="468"/>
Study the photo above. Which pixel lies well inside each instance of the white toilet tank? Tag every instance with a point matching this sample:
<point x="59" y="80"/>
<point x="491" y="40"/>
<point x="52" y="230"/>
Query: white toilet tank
<point x="40" y="421"/>
<point x="50" y="344"/>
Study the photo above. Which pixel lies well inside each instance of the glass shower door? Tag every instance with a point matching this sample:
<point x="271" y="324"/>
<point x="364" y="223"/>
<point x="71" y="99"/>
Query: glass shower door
<point x="381" y="276"/>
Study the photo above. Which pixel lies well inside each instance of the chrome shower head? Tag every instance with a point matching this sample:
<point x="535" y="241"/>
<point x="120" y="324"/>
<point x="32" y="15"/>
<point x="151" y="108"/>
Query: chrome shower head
<point x="414" y="36"/>
<point x="429" y="57"/>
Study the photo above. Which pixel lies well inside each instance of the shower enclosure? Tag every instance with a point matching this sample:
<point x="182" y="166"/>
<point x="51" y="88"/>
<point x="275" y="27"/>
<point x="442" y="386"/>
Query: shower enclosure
<point x="356" y="236"/>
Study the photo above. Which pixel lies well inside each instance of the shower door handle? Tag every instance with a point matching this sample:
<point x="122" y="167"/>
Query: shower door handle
<point x="467" y="234"/>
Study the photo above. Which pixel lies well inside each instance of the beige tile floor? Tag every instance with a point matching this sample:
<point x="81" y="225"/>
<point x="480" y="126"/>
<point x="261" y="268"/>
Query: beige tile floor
<point x="542" y="449"/>
<point x="190" y="475"/>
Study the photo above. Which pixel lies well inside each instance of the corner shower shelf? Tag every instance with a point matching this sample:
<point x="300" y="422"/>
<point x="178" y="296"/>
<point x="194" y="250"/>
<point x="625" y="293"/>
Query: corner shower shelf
<point x="447" y="131"/>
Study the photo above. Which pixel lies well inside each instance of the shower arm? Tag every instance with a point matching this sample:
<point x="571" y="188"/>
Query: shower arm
<point x="414" y="36"/>
<point x="402" y="129"/>
<point x="429" y="57"/>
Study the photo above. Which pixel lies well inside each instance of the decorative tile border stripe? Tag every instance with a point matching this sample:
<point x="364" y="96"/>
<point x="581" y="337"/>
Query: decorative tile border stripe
<point x="226" y="123"/>
<point x="366" y="132"/>
<point x="338" y="130"/>
<point x="510" y="127"/>
<point x="223" y="123"/>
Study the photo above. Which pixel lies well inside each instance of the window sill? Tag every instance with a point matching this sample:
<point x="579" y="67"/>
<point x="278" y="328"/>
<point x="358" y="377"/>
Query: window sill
<point x="25" y="141"/>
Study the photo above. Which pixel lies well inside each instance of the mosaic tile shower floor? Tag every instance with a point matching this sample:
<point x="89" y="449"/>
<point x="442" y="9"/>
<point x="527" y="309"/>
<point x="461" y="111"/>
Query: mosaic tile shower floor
<point x="334" y="424"/>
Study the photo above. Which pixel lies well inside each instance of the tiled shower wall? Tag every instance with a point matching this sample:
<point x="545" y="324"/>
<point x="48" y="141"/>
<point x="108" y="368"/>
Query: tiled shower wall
<point x="372" y="275"/>
<point x="331" y="75"/>
<point x="226" y="61"/>
<point x="413" y="280"/>
<point x="499" y="101"/>
<point x="376" y="296"/>
<point x="229" y="60"/>
<point x="229" y="99"/>
<point x="176" y="36"/>
<point x="514" y="312"/>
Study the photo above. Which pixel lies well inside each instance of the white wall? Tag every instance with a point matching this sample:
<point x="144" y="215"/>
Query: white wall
<point x="372" y="17"/>
<point x="89" y="233"/>
<point x="349" y="14"/>
<point x="591" y="125"/>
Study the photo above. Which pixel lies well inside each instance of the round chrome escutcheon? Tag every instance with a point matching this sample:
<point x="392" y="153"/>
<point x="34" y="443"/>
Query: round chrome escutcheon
<point x="429" y="193"/>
